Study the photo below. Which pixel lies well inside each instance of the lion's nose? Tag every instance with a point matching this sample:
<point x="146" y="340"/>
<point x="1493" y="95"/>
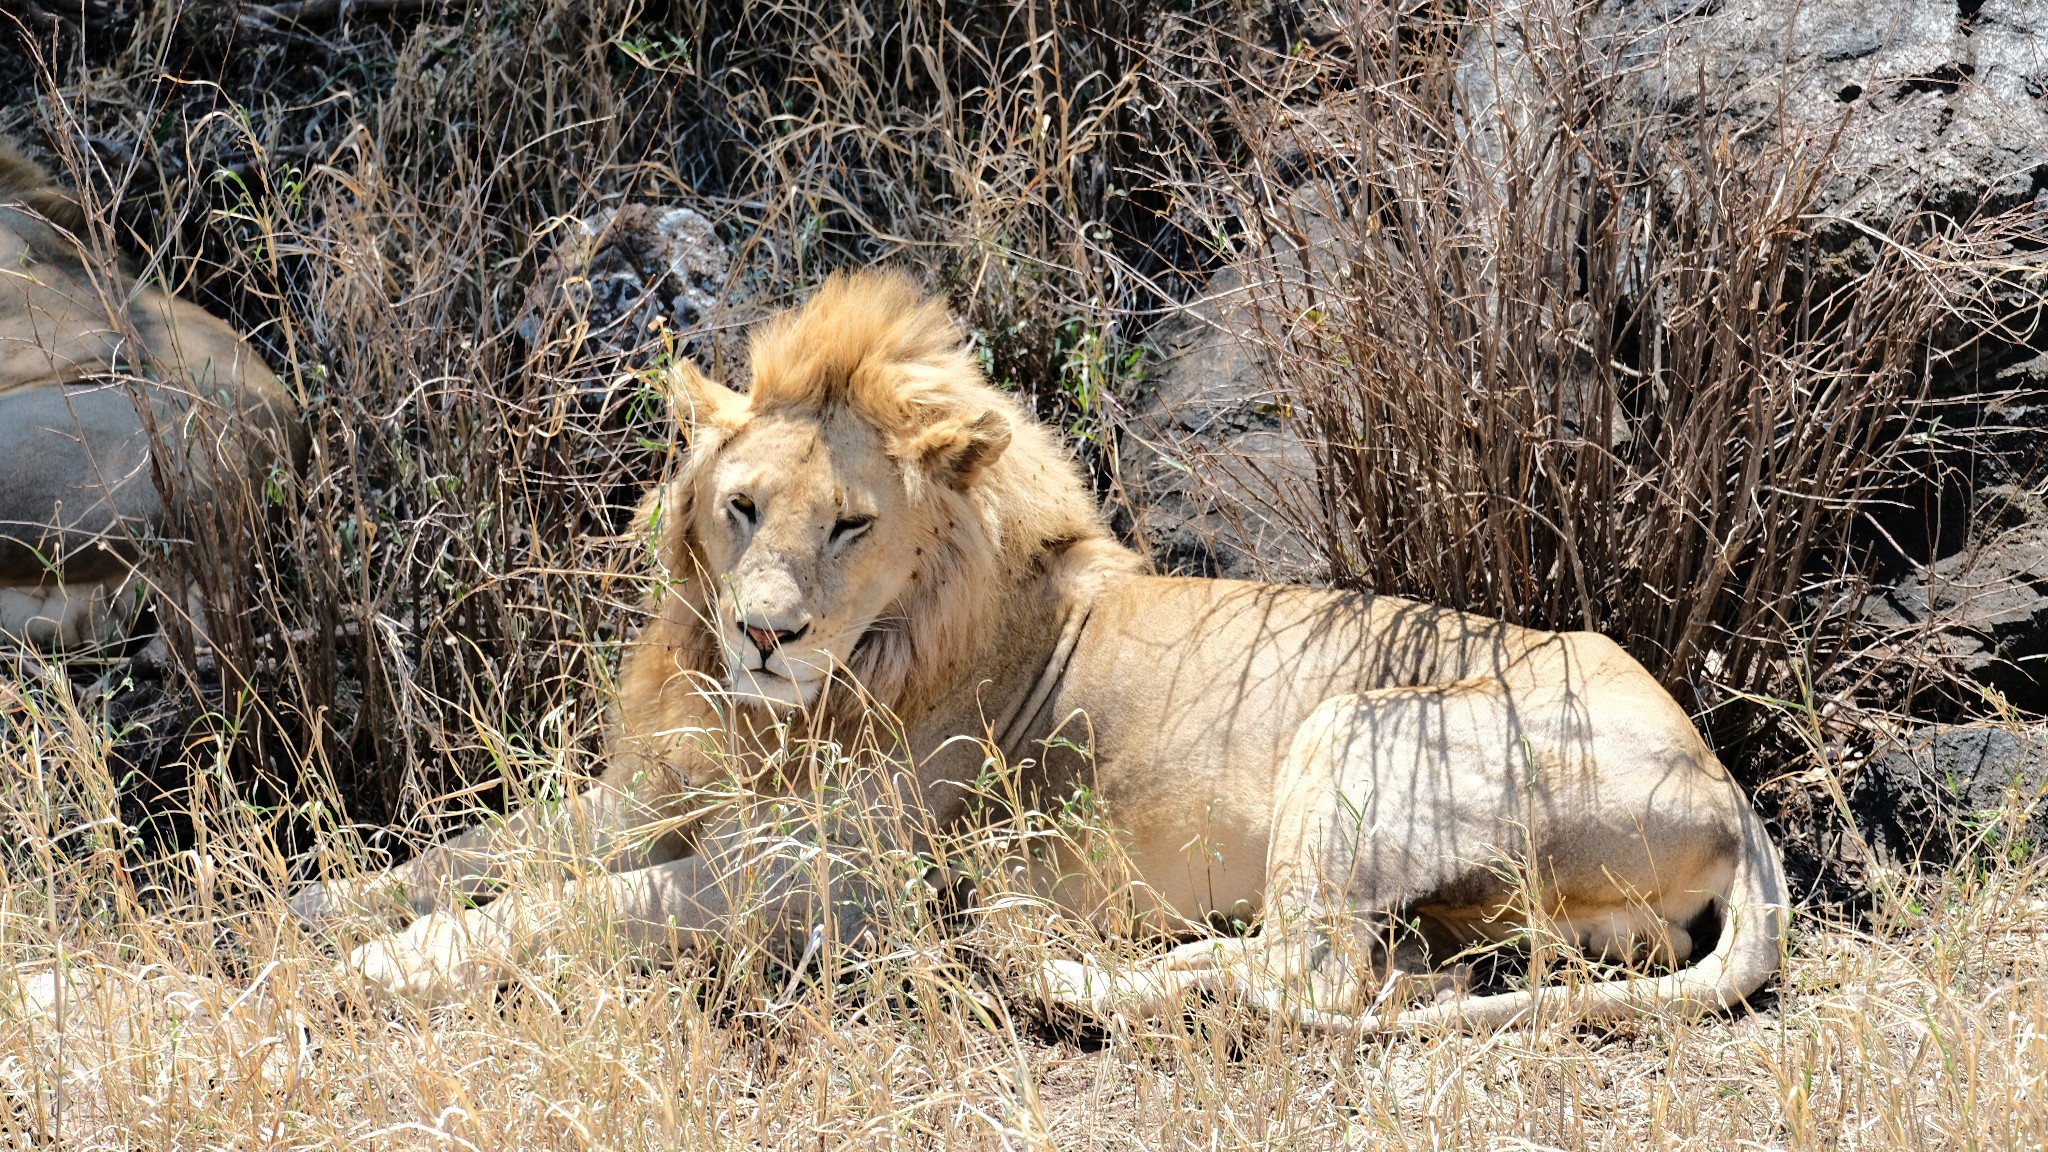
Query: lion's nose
<point x="768" y="640"/>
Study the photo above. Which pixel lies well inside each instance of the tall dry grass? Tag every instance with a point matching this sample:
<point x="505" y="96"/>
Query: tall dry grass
<point x="196" y="1015"/>
<point x="1560" y="355"/>
<point x="435" y="604"/>
<point x="374" y="197"/>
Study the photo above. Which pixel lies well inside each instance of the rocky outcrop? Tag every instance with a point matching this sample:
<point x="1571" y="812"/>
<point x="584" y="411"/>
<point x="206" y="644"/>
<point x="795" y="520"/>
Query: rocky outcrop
<point x="1923" y="107"/>
<point x="1210" y="457"/>
<point x="1931" y="115"/>
<point x="1950" y="791"/>
<point x="1976" y="603"/>
<point x="1922" y="116"/>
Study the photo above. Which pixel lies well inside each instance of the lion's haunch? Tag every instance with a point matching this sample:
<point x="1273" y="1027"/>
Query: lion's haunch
<point x="109" y="393"/>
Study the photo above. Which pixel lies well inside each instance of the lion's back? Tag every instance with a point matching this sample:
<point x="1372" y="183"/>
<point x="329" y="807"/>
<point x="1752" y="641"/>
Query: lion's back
<point x="81" y="414"/>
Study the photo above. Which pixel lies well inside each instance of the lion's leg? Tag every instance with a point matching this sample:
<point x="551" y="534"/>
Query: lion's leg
<point x="1151" y="987"/>
<point x="628" y="819"/>
<point x="1318" y="974"/>
<point x="780" y="892"/>
<point x="679" y="906"/>
<point x="1371" y="818"/>
<point x="1460" y="817"/>
<point x="59" y="615"/>
<point x="1330" y="939"/>
<point x="1633" y="934"/>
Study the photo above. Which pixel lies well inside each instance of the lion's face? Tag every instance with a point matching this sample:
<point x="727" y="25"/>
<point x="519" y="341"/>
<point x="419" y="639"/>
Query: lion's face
<point x="810" y="536"/>
<point x="840" y="510"/>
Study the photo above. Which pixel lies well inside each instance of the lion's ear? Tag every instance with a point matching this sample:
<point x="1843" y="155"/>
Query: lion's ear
<point x="696" y="400"/>
<point x="956" y="451"/>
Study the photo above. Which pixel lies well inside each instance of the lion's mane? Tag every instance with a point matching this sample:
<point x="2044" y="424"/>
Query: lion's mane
<point x="872" y="343"/>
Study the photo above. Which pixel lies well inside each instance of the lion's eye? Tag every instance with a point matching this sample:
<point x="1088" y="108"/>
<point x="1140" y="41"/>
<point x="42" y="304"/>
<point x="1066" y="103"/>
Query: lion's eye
<point x="742" y="508"/>
<point x="848" y="528"/>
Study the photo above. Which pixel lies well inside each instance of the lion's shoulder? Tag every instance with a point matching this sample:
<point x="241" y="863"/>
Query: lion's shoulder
<point x="25" y="183"/>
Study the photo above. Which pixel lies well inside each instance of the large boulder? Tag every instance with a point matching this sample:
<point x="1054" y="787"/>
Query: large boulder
<point x="1925" y="107"/>
<point x="1955" y="790"/>
<point x="112" y="393"/>
<point x="1208" y="456"/>
<point x="1211" y="459"/>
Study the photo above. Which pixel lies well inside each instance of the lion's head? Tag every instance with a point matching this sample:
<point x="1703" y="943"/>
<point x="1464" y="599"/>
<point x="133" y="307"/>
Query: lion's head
<point x="858" y="509"/>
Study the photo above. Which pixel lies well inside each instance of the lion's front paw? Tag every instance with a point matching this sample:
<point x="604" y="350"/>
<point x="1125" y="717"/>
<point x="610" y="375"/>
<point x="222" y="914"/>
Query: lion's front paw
<point x="1104" y="995"/>
<point x="439" y="958"/>
<point x="378" y="899"/>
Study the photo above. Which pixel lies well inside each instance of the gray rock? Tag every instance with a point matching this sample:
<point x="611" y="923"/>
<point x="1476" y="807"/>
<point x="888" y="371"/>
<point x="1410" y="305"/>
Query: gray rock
<point x="616" y="278"/>
<point x="1210" y="453"/>
<point x="1980" y="607"/>
<point x="1920" y="109"/>
<point x="1955" y="790"/>
<point x="1937" y="106"/>
<point x="1207" y="454"/>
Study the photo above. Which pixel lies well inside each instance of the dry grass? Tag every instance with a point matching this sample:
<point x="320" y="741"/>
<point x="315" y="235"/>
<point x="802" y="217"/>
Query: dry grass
<point x="1563" y="360"/>
<point x="1922" y="1032"/>
<point x="442" y="595"/>
<point x="375" y="202"/>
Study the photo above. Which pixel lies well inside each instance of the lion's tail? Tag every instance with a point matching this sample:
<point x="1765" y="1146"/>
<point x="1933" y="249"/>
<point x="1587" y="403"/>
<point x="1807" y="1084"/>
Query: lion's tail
<point x="1748" y="953"/>
<point x="1751" y="946"/>
<point x="1753" y="916"/>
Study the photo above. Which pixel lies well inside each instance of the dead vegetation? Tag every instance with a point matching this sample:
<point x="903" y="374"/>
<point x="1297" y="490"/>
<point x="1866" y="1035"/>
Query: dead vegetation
<point x="196" y="1014"/>
<point x="1591" y="384"/>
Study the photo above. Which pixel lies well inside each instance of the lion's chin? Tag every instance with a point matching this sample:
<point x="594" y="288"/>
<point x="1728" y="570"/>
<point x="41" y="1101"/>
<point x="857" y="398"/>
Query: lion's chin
<point x="776" y="693"/>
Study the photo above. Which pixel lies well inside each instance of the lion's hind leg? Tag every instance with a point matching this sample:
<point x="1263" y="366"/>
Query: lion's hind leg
<point x="1331" y="968"/>
<point x="1320" y="971"/>
<point x="1105" y="991"/>
<point x="1633" y="935"/>
<point x="1376" y="822"/>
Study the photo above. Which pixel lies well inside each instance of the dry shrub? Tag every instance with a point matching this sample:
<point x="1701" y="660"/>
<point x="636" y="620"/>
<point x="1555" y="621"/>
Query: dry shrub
<point x="1565" y="359"/>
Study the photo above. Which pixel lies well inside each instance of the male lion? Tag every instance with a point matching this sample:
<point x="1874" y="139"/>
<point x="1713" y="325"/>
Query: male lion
<point x="1377" y="782"/>
<point x="104" y="383"/>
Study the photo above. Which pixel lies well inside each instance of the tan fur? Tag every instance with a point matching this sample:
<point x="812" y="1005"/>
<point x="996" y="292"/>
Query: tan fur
<point x="870" y="347"/>
<point x="23" y="181"/>
<point x="102" y="382"/>
<point x="1378" y="783"/>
